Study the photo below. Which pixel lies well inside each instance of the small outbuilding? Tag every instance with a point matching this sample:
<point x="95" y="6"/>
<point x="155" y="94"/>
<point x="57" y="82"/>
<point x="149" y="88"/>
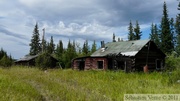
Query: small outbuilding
<point x="138" y="55"/>
<point x="29" y="60"/>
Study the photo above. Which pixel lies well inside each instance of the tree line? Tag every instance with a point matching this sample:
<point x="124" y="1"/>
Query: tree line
<point x="166" y="35"/>
<point x="64" y="55"/>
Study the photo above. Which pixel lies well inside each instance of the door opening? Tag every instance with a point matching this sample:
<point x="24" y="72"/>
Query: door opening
<point x="158" y="64"/>
<point x="100" y="64"/>
<point x="81" y="65"/>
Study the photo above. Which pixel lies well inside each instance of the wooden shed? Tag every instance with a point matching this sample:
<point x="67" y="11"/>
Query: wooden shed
<point x="29" y="60"/>
<point x="125" y="55"/>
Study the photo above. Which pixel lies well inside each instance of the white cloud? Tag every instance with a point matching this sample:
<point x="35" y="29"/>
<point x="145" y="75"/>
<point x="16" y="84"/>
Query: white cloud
<point x="75" y="19"/>
<point x="91" y="31"/>
<point x="14" y="46"/>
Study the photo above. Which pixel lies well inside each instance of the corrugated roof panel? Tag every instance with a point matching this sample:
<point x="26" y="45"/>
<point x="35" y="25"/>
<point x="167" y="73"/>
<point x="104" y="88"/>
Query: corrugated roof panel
<point x="133" y="53"/>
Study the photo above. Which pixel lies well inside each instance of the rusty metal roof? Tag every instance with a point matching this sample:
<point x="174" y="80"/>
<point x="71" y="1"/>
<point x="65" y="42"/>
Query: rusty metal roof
<point x="127" y="48"/>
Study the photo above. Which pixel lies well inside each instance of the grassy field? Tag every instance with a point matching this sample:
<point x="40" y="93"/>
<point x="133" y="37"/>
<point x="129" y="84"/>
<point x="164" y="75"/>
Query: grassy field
<point x="29" y="84"/>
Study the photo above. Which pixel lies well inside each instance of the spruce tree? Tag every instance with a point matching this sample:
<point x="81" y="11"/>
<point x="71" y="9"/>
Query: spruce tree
<point x="48" y="49"/>
<point x="59" y="53"/>
<point x="69" y="54"/>
<point x="35" y="46"/>
<point x="151" y="35"/>
<point x="166" y="36"/>
<point x="5" y="60"/>
<point x="85" y="48"/>
<point x="73" y="48"/>
<point x="154" y="35"/>
<point x="93" y="49"/>
<point x="131" y="33"/>
<point x="137" y="32"/>
<point x="2" y="53"/>
<point x="172" y="31"/>
<point x="177" y="30"/>
<point x="59" y="49"/>
<point x="51" y="47"/>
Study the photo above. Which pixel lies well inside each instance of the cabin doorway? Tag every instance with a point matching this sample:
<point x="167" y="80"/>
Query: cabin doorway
<point x="81" y="65"/>
<point x="158" y="64"/>
<point x="100" y="64"/>
<point x="110" y="64"/>
<point x="121" y="65"/>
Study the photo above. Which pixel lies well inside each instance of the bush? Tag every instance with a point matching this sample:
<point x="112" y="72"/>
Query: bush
<point x="173" y="68"/>
<point x="174" y="76"/>
<point x="43" y="61"/>
<point x="6" y="61"/>
<point x="172" y="62"/>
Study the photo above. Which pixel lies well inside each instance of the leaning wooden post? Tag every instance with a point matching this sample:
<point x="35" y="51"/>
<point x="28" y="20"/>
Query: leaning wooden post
<point x="145" y="68"/>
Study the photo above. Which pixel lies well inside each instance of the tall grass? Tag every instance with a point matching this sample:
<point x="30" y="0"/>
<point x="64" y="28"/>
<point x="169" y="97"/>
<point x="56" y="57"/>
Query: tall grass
<point x="13" y="88"/>
<point x="20" y="83"/>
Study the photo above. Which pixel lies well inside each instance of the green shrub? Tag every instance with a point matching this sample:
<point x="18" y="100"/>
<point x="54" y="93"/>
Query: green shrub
<point x="172" y="62"/>
<point x="43" y="61"/>
<point x="174" y="76"/>
<point x="6" y="61"/>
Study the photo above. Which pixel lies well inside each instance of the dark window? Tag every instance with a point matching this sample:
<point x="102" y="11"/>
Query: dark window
<point x="100" y="64"/>
<point x="158" y="64"/>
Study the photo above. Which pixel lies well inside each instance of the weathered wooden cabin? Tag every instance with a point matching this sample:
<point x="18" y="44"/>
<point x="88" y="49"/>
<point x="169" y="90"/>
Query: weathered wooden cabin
<point x="27" y="60"/>
<point x="30" y="61"/>
<point x="125" y="55"/>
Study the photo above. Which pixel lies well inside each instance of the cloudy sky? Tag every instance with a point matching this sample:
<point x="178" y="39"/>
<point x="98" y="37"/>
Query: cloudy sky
<point x="75" y="19"/>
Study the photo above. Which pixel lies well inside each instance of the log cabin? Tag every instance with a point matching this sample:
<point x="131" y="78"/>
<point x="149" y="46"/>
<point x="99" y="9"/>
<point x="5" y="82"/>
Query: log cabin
<point x="29" y="60"/>
<point x="138" y="55"/>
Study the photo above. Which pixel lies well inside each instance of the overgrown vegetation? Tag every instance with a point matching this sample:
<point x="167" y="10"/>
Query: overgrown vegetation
<point x="20" y="83"/>
<point x="172" y="62"/>
<point x="64" y="55"/>
<point x="5" y="60"/>
<point x="166" y="35"/>
<point x="44" y="61"/>
<point x="172" y="68"/>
